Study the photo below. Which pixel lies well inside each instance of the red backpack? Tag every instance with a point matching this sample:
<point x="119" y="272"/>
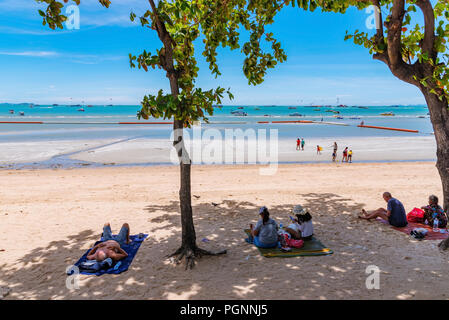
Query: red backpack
<point x="416" y="215"/>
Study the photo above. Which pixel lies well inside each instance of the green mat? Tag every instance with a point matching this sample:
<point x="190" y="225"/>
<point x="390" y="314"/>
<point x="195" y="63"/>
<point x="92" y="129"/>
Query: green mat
<point x="311" y="248"/>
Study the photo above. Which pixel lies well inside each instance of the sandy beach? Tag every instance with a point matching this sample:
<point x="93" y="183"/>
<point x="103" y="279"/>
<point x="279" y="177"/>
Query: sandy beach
<point x="50" y="217"/>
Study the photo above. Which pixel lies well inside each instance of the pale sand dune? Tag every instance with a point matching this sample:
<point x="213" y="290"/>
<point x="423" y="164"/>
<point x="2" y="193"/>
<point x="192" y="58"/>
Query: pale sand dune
<point x="50" y="217"/>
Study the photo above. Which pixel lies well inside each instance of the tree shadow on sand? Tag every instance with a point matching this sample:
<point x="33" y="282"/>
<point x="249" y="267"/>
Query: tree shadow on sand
<point x="241" y="273"/>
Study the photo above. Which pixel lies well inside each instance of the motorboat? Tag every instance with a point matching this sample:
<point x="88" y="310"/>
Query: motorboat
<point x="387" y="114"/>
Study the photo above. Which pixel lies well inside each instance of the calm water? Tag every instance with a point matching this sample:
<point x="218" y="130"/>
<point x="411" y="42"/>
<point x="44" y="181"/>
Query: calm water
<point x="99" y="122"/>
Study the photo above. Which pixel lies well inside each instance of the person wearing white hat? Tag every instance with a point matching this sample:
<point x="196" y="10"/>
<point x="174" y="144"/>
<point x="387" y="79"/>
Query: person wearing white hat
<point x="302" y="226"/>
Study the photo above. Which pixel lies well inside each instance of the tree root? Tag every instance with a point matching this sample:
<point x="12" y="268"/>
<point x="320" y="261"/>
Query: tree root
<point x="191" y="254"/>
<point x="444" y="245"/>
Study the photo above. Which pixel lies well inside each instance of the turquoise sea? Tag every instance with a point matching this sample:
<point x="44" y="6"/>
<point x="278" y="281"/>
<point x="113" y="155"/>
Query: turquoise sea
<point x="100" y="121"/>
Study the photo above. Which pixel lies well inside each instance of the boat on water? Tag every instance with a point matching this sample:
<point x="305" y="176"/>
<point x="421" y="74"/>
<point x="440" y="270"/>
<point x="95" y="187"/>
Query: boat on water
<point x="387" y="114"/>
<point x="338" y="117"/>
<point x="11" y="111"/>
<point x="354" y="118"/>
<point x="329" y="110"/>
<point x="316" y="109"/>
<point x="21" y="113"/>
<point x="296" y="114"/>
<point x="267" y="115"/>
<point x="55" y="105"/>
<point x="239" y="107"/>
<point x="256" y="108"/>
<point x="240" y="114"/>
<point x="90" y="106"/>
<point x="81" y="109"/>
<point x="342" y="106"/>
<point x="362" y="107"/>
<point x="291" y="108"/>
<point x="422" y="117"/>
<point x="336" y="112"/>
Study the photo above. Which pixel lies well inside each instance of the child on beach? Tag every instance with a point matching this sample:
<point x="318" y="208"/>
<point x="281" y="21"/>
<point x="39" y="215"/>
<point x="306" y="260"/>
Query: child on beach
<point x="301" y="228"/>
<point x="302" y="144"/>
<point x="345" y="155"/>
<point x="318" y="149"/>
<point x="350" y="156"/>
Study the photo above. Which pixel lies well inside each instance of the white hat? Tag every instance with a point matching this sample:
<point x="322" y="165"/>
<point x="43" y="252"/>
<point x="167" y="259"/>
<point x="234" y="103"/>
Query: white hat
<point x="298" y="209"/>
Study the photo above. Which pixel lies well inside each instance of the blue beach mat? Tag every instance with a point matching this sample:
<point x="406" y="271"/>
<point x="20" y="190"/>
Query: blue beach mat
<point x="131" y="249"/>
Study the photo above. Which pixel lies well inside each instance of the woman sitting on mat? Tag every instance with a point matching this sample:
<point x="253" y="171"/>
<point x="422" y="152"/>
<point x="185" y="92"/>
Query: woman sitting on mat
<point x="265" y="234"/>
<point x="302" y="226"/>
<point x="432" y="211"/>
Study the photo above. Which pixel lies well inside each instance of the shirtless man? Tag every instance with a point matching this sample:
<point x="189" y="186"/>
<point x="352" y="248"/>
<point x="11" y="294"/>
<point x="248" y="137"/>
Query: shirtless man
<point x="111" y="246"/>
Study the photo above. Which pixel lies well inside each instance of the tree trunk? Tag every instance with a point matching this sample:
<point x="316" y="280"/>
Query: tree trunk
<point x="439" y="116"/>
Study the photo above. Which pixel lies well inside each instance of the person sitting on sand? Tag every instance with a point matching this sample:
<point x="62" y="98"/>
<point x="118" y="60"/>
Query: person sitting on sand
<point x="394" y="214"/>
<point x="111" y="245"/>
<point x="265" y="234"/>
<point x="302" y="227"/>
<point x="432" y="211"/>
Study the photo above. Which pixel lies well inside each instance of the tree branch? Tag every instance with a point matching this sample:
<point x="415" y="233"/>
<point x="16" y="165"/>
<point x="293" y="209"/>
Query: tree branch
<point x="429" y="28"/>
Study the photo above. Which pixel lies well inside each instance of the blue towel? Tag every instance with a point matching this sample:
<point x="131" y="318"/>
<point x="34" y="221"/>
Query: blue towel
<point x="131" y="249"/>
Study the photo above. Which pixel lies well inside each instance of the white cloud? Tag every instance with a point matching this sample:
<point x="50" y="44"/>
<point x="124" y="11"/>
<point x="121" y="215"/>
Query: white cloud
<point x="30" y="53"/>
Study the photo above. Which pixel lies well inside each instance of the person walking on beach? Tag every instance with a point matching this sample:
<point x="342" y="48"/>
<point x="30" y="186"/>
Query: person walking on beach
<point x="335" y="147"/>
<point x="318" y="149"/>
<point x="345" y="155"/>
<point x="302" y="144"/>
<point x="334" y="156"/>
<point x="394" y="214"/>
<point x="298" y="144"/>
<point x="350" y="156"/>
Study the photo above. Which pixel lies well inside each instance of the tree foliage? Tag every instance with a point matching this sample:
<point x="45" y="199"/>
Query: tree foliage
<point x="218" y="24"/>
<point x="415" y="50"/>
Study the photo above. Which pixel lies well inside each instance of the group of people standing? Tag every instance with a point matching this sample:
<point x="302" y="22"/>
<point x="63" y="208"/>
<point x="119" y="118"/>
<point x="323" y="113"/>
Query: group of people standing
<point x="347" y="154"/>
<point x="300" y="144"/>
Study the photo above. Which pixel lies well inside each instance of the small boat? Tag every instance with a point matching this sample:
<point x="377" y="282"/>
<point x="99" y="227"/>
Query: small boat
<point x="336" y="112"/>
<point x="11" y="111"/>
<point x="316" y="109"/>
<point x="291" y="108"/>
<point x="422" y="117"/>
<point x="55" y="105"/>
<point x="387" y="114"/>
<point x="21" y="113"/>
<point x="81" y="109"/>
<point x="90" y="106"/>
<point x="267" y="115"/>
<point x="329" y="111"/>
<point x="240" y="114"/>
<point x="362" y="107"/>
<point x="338" y="117"/>
<point x="240" y="108"/>
<point x="342" y="106"/>
<point x="354" y="118"/>
<point x="256" y="108"/>
<point x="296" y="114"/>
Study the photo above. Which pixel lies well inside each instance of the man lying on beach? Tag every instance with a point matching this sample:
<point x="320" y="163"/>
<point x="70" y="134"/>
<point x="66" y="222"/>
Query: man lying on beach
<point x="111" y="245"/>
<point x="394" y="214"/>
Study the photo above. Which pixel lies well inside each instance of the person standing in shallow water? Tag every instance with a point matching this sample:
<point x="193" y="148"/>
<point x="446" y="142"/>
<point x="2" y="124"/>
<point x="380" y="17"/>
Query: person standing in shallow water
<point x="298" y="144"/>
<point x="302" y="144"/>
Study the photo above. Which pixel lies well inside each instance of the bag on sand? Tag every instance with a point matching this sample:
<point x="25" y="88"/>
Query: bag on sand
<point x="416" y="215"/>
<point x="286" y="240"/>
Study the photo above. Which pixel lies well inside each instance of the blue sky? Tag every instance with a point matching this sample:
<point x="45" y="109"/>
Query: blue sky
<point x="91" y="64"/>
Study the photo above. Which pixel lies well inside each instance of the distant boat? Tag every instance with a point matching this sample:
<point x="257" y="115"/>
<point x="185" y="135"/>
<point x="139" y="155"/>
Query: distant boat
<point x="422" y="117"/>
<point x="296" y="114"/>
<point x="21" y="113"/>
<point x="54" y="105"/>
<point x="342" y="106"/>
<point x="336" y="112"/>
<point x="109" y="105"/>
<point x="81" y="109"/>
<point x="90" y="106"/>
<point x="354" y="118"/>
<point x="338" y="117"/>
<point x="316" y="109"/>
<point x="292" y="107"/>
<point x="11" y="111"/>
<point x="239" y="107"/>
<point x="362" y="107"/>
<point x="387" y="114"/>
<point x="267" y="115"/>
<point x="329" y="111"/>
<point x="256" y="108"/>
<point x="240" y="114"/>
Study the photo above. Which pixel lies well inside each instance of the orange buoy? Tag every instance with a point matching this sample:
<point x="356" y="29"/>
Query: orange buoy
<point x="386" y="128"/>
<point x="23" y="122"/>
